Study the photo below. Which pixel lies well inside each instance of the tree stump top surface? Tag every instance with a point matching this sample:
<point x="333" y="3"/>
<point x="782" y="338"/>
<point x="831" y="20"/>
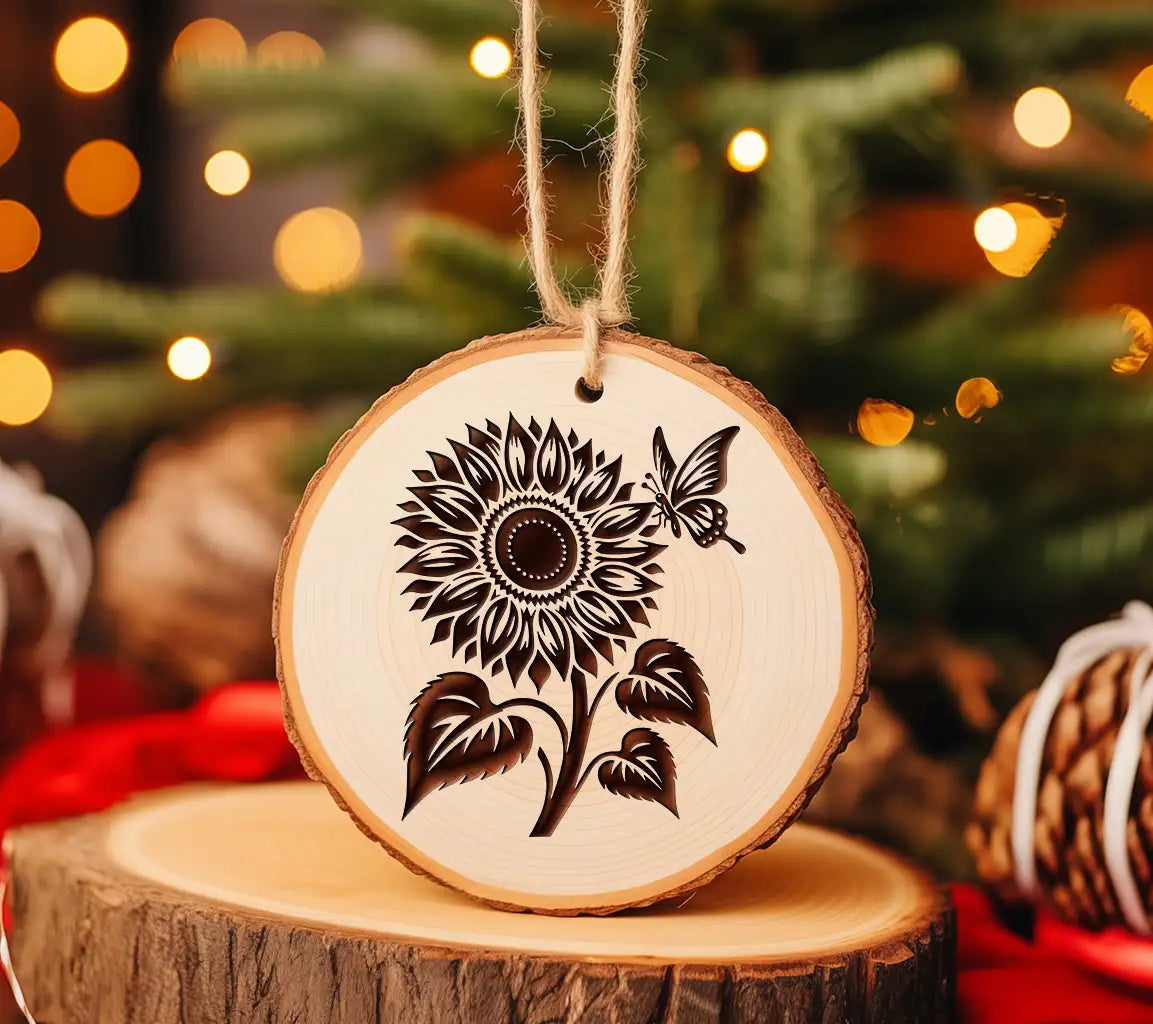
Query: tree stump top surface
<point x="160" y="910"/>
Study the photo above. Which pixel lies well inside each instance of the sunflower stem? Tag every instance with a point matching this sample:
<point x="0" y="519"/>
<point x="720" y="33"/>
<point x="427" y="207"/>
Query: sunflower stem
<point x="556" y="803"/>
<point x="601" y="692"/>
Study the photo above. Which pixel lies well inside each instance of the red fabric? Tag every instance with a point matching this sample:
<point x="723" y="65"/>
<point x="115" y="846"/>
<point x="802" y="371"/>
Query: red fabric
<point x="236" y="734"/>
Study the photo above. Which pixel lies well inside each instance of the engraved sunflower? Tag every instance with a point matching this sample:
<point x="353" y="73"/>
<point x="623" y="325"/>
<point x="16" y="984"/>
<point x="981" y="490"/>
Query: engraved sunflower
<point x="528" y="552"/>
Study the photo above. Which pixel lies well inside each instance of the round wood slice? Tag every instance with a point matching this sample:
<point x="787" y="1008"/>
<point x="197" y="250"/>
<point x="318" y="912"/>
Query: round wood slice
<point x="264" y="904"/>
<point x="572" y="656"/>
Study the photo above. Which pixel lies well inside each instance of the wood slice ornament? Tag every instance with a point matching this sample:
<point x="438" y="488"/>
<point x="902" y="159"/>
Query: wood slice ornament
<point x="566" y="655"/>
<point x="571" y="620"/>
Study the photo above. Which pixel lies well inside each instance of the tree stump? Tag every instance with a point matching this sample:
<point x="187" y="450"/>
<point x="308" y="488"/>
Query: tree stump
<point x="265" y="904"/>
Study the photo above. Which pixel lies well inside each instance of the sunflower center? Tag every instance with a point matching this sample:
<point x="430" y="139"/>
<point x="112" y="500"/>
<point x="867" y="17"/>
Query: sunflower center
<point x="537" y="549"/>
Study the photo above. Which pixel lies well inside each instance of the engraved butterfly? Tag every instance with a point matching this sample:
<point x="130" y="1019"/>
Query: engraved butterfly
<point x="684" y="495"/>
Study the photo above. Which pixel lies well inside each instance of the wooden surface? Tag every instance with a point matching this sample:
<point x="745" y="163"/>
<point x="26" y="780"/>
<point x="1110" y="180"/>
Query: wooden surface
<point x="571" y="656"/>
<point x="265" y="904"/>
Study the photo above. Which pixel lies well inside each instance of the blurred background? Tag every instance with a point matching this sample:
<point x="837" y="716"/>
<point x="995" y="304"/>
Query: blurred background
<point x="924" y="231"/>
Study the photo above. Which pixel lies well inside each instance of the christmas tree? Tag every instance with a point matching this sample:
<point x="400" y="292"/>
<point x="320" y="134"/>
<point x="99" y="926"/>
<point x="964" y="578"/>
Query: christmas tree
<point x="813" y="173"/>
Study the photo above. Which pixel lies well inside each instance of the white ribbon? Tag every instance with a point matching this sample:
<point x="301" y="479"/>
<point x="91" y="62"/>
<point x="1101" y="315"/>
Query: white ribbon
<point x="6" y="958"/>
<point x="32" y="521"/>
<point x="1133" y="630"/>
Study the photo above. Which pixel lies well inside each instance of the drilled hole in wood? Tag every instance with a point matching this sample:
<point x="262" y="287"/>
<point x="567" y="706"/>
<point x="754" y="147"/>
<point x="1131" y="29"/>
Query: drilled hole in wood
<point x="586" y="393"/>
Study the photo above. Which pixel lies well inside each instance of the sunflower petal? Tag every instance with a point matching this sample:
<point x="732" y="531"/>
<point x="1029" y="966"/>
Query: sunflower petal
<point x="622" y="521"/>
<point x="601" y="614"/>
<point x="499" y="627"/>
<point x="480" y="472"/>
<point x="463" y="595"/>
<point x="458" y="508"/>
<point x="619" y="580"/>
<point x="554" y="461"/>
<point x="485" y="442"/>
<point x="520" y="653"/>
<point x="444" y="558"/>
<point x="631" y="552"/>
<point x="519" y="455"/>
<point x="600" y="486"/>
<point x="555" y="640"/>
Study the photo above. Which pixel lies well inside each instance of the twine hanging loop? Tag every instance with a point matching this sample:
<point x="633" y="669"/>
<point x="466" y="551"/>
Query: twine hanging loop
<point x="610" y="306"/>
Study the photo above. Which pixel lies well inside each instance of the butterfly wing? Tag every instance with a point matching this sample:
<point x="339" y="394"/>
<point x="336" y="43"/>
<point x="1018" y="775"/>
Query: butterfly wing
<point x="664" y="461"/>
<point x="704" y="471"/>
<point x="705" y="519"/>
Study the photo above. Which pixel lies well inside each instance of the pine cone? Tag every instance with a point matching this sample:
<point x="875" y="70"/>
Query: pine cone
<point x="1071" y="872"/>
<point x="187" y="565"/>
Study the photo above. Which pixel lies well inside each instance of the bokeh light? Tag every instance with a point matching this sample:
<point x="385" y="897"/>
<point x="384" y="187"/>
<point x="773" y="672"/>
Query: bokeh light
<point x="102" y="178"/>
<point x="227" y="172"/>
<point x="1140" y="92"/>
<point x="748" y="150"/>
<point x="975" y="394"/>
<point x="9" y="132"/>
<point x="318" y="250"/>
<point x="1140" y="330"/>
<point x="25" y="387"/>
<point x="189" y="358"/>
<point x="289" y="49"/>
<point x="995" y="229"/>
<point x="211" y="41"/>
<point x="1042" y="117"/>
<point x="1035" y="233"/>
<point x="19" y="235"/>
<point x="91" y="55"/>
<point x="884" y="423"/>
<point x="491" y="58"/>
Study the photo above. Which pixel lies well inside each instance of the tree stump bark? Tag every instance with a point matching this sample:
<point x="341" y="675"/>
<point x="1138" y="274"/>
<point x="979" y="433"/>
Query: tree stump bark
<point x="265" y="904"/>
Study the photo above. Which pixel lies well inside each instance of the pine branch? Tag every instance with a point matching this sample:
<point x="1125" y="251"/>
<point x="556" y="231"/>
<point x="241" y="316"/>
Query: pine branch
<point x="1062" y="37"/>
<point x="856" y="100"/>
<point x="479" y="283"/>
<point x="568" y="40"/>
<point x="131" y="400"/>
<point x="866" y="475"/>
<point x="1104" y="548"/>
<point x="288" y="117"/>
<point x="261" y="321"/>
<point x="1102" y="103"/>
<point x="947" y="350"/>
<point x="812" y="184"/>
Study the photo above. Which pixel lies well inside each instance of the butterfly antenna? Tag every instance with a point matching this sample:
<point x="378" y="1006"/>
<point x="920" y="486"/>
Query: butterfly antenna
<point x="736" y="545"/>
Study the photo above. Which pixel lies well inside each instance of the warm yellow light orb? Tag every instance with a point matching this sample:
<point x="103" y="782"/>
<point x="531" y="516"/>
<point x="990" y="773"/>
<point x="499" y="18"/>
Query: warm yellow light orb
<point x="748" y="150"/>
<point x="9" y="132"/>
<point x="212" y="41"/>
<point x="25" y="387"/>
<point x="318" y="250"/>
<point x="19" y="235"/>
<point x="975" y="394"/>
<point x="1042" y="117"/>
<point x="884" y="423"/>
<point x="189" y="358"/>
<point x="289" y="49"/>
<point x="995" y="229"/>
<point x="102" y="178"/>
<point x="227" y="172"/>
<point x="1140" y="330"/>
<point x="491" y="58"/>
<point x="91" y="55"/>
<point x="1140" y="92"/>
<point x="1035" y="233"/>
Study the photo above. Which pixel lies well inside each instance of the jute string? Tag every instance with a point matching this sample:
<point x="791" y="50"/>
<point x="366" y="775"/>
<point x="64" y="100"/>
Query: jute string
<point x="610" y="307"/>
